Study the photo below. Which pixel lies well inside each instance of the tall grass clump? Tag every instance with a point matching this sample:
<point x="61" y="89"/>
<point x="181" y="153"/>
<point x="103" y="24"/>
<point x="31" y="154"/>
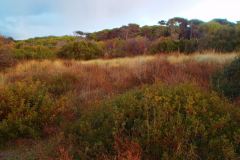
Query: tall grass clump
<point x="167" y="122"/>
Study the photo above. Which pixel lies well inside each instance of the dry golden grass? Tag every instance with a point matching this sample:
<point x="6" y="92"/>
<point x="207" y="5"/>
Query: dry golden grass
<point x="133" y="61"/>
<point x="171" y="58"/>
<point x="98" y="78"/>
<point x="205" y="57"/>
<point x="131" y="65"/>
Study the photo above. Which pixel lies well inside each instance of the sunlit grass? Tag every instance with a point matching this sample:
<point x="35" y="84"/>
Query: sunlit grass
<point x="206" y="57"/>
<point x="52" y="66"/>
<point x="171" y="58"/>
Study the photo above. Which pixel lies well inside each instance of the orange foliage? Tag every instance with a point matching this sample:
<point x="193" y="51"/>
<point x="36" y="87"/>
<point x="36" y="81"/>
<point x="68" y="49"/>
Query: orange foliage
<point x="127" y="150"/>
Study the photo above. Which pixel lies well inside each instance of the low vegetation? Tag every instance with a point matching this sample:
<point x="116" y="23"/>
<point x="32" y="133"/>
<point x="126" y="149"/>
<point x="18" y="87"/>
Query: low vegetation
<point x="71" y="107"/>
<point x="127" y="93"/>
<point x="81" y="50"/>
<point x="227" y="81"/>
<point x="175" y="35"/>
<point x="25" y="109"/>
<point x="181" y="122"/>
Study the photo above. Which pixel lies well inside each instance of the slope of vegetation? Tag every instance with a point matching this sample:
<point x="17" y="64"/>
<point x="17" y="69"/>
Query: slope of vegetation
<point x="58" y="103"/>
<point x="180" y="122"/>
<point x="227" y="81"/>
<point x="175" y="35"/>
<point x="149" y="102"/>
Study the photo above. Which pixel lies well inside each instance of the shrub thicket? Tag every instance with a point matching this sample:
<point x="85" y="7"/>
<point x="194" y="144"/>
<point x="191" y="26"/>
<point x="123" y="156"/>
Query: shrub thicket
<point x="165" y="45"/>
<point x="180" y="122"/>
<point x="6" y="58"/>
<point x="113" y="48"/>
<point x="25" y="108"/>
<point x="188" y="46"/>
<point x="34" y="52"/>
<point x="122" y="48"/>
<point x="227" y="81"/>
<point x="81" y="50"/>
<point x="136" y="46"/>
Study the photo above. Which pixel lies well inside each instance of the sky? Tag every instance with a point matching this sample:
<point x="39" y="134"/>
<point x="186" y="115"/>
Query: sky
<point x="22" y="19"/>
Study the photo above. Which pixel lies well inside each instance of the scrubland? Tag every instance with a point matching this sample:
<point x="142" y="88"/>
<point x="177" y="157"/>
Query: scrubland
<point x="145" y="107"/>
<point x="165" y="92"/>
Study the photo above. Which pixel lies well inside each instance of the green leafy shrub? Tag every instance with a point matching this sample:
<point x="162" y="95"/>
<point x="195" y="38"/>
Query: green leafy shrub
<point x="34" y="52"/>
<point x="165" y="45"/>
<point x="188" y="46"/>
<point x="227" y="81"/>
<point x="180" y="122"/>
<point x="25" y="108"/>
<point x="81" y="50"/>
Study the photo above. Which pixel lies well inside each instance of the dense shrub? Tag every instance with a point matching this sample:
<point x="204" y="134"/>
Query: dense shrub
<point x="61" y="83"/>
<point x="129" y="47"/>
<point x="180" y="122"/>
<point x="50" y="41"/>
<point x="81" y="50"/>
<point x="34" y="52"/>
<point x="6" y="58"/>
<point x="25" y="108"/>
<point x="188" y="46"/>
<point x="136" y="46"/>
<point x="113" y="48"/>
<point x="227" y="81"/>
<point x="165" y="45"/>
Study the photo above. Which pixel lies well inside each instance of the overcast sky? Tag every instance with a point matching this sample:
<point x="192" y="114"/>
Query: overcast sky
<point x="23" y="19"/>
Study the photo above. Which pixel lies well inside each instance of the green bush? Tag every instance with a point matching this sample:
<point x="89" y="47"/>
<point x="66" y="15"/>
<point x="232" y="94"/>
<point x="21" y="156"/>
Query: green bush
<point x="25" y="108"/>
<point x="34" y="52"/>
<point x="227" y="81"/>
<point x="164" y="46"/>
<point x="81" y="50"/>
<point x="180" y="122"/>
<point x="188" y="46"/>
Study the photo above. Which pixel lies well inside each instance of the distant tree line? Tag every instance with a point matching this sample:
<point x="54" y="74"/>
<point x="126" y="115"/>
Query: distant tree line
<point x="178" y="34"/>
<point x="175" y="35"/>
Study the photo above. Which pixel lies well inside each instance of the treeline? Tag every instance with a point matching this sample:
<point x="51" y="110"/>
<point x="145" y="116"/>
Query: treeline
<point x="175" y="35"/>
<point x="178" y="34"/>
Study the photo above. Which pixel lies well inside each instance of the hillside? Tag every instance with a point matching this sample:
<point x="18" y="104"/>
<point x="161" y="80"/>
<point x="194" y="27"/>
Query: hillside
<point x="169" y="91"/>
<point x="64" y="109"/>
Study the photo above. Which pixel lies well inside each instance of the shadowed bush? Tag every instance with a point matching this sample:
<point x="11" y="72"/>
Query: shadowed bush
<point x="165" y="45"/>
<point x="180" y="122"/>
<point x="188" y="46"/>
<point x="6" y="58"/>
<point x="227" y="81"/>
